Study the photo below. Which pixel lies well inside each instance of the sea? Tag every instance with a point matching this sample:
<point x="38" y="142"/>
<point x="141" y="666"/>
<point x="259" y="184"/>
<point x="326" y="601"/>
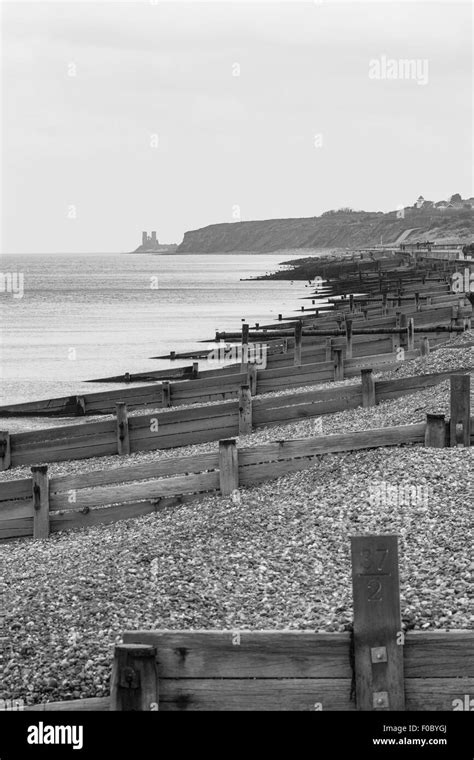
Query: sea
<point x="66" y="319"/>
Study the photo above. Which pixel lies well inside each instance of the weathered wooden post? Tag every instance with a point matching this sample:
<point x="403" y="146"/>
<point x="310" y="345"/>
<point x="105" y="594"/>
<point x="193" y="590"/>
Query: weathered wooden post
<point x="417" y="302"/>
<point x="328" y="347"/>
<point x="80" y="406"/>
<point x="228" y="467"/>
<point x="460" y="409"/>
<point x="425" y="346"/>
<point x="134" y="683"/>
<point x="245" y="347"/>
<point x="195" y="371"/>
<point x="123" y="438"/>
<point x="404" y="334"/>
<point x="411" y="334"/>
<point x="245" y="410"/>
<point x="298" y="342"/>
<point x="338" y="364"/>
<point x="435" y="431"/>
<point x="348" y="328"/>
<point x="165" y="393"/>
<point x="351" y="302"/>
<point x="40" y="493"/>
<point x="5" y="450"/>
<point x="378" y="639"/>
<point x="368" y="387"/>
<point x="252" y="378"/>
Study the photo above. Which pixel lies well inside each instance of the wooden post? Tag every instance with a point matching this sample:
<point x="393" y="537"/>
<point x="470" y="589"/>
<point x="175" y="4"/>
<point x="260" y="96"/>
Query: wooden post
<point x="245" y="410"/>
<point x="80" y="406"/>
<point x="165" y="393"/>
<point x="460" y="409"/>
<point x="338" y="364"/>
<point x="425" y="346"/>
<point x="123" y="438"/>
<point x="328" y="349"/>
<point x="411" y="334"/>
<point x="40" y="486"/>
<point x="195" y="371"/>
<point x="378" y="640"/>
<point x="435" y="431"/>
<point x="134" y="683"/>
<point x="351" y="302"/>
<point x="404" y="334"/>
<point x="348" y="326"/>
<point x="298" y="342"/>
<point x="245" y="347"/>
<point x="252" y="378"/>
<point x="417" y="302"/>
<point x="228" y="467"/>
<point x="5" y="450"/>
<point x="365" y="312"/>
<point x="368" y="388"/>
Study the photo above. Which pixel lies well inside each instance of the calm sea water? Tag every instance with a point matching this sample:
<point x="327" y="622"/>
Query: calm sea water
<point x="83" y="317"/>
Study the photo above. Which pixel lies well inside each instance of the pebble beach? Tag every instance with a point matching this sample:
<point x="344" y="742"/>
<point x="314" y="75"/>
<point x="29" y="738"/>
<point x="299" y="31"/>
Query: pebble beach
<point x="278" y="558"/>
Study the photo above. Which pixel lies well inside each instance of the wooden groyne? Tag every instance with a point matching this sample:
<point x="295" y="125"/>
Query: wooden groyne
<point x="39" y="505"/>
<point x="375" y="665"/>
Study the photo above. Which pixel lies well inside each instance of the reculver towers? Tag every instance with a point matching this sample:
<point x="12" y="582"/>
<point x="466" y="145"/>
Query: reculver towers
<point x="149" y="242"/>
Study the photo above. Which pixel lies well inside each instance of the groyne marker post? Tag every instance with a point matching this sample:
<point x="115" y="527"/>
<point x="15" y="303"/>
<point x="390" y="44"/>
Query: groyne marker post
<point x="134" y="684"/>
<point x="348" y="328"/>
<point x="298" y="342"/>
<point x="5" y="450"/>
<point x="252" y="375"/>
<point x="368" y="387"/>
<point x="123" y="437"/>
<point x="338" y="364"/>
<point x="228" y="467"/>
<point x="435" y="431"/>
<point x="165" y="393"/>
<point x="378" y="640"/>
<point x="245" y="347"/>
<point x="245" y="410"/>
<point x="40" y="494"/>
<point x="460" y="409"/>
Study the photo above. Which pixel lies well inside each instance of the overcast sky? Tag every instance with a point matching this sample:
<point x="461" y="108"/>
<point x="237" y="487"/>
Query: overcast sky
<point x="90" y="88"/>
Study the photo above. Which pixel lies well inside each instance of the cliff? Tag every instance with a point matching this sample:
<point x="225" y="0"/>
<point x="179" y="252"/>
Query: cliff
<point x="334" y="229"/>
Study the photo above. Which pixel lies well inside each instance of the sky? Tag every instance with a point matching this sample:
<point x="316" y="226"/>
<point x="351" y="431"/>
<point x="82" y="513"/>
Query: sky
<point x="119" y="117"/>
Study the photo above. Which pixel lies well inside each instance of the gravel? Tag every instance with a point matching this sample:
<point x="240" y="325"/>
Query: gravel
<point x="278" y="559"/>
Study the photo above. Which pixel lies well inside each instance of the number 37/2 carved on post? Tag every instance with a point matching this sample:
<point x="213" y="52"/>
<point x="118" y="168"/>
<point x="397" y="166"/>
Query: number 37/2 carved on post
<point x="378" y="658"/>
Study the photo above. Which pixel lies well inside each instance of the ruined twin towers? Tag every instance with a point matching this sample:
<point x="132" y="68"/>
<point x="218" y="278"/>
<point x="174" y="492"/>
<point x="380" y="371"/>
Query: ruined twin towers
<point x="149" y="240"/>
